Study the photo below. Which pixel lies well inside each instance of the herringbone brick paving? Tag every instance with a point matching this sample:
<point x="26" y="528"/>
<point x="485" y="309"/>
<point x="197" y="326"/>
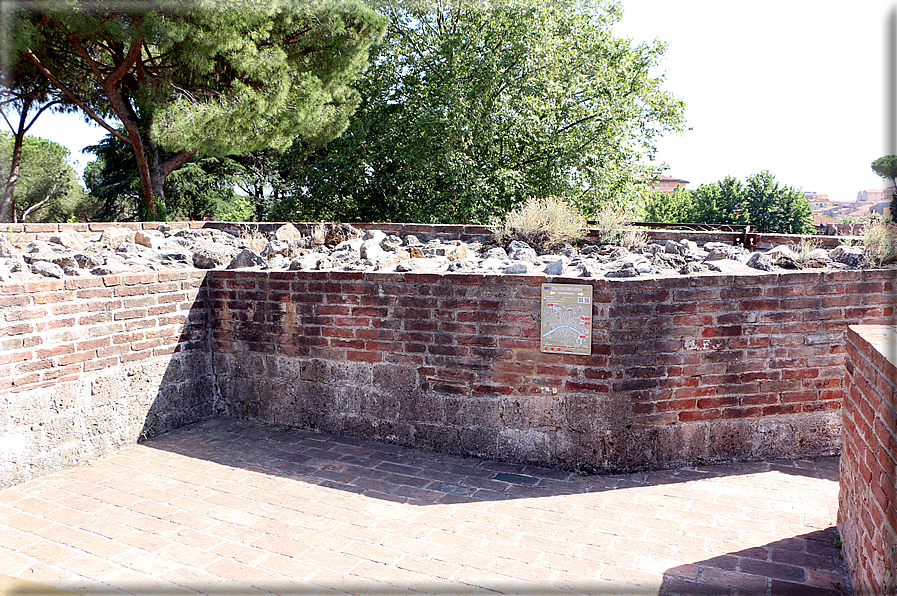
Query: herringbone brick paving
<point x="231" y="507"/>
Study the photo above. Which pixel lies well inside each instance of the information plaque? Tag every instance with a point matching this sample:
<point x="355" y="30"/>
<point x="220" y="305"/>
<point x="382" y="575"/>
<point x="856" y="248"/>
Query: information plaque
<point x="566" y="319"/>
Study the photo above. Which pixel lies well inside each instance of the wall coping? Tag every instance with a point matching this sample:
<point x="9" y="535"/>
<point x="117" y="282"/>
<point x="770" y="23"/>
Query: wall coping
<point x="880" y="340"/>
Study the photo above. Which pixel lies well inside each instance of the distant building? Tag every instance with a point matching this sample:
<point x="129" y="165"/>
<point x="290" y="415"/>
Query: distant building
<point x="883" y="208"/>
<point x="874" y="195"/>
<point x="668" y="185"/>
<point x="819" y="201"/>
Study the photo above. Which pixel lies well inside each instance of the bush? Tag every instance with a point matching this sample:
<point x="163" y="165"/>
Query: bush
<point x="880" y="240"/>
<point x="613" y="227"/>
<point x="545" y="223"/>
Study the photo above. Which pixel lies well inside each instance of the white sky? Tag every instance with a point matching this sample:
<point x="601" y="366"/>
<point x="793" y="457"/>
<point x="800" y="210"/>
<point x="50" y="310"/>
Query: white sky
<point x="796" y="87"/>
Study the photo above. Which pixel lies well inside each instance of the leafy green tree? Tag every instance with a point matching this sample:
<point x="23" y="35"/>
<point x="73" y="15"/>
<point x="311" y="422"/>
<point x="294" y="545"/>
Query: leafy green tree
<point x="886" y="167"/>
<point x="203" y="77"/>
<point x="773" y="207"/>
<point x="670" y="208"/>
<point x="470" y="107"/>
<point x="26" y="93"/>
<point x="48" y="189"/>
<point x="720" y="202"/>
<point x="200" y="188"/>
<point x="761" y="201"/>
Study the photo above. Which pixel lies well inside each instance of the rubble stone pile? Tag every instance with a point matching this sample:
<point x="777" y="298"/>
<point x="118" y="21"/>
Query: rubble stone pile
<point x="345" y="248"/>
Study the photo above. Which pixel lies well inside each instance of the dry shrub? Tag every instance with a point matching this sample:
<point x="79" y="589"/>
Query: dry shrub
<point x="632" y="238"/>
<point x="318" y="234"/>
<point x="880" y="241"/>
<point x="804" y="248"/>
<point x="613" y="227"/>
<point x="252" y="237"/>
<point x="541" y="222"/>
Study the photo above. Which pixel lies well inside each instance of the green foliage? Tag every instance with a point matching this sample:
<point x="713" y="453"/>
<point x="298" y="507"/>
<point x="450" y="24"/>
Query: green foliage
<point x="242" y="209"/>
<point x="205" y="77"/>
<point x="48" y="189"/>
<point x="761" y="201"/>
<point x="676" y="207"/>
<point x="200" y="188"/>
<point x="470" y="108"/>
<point x="886" y="167"/>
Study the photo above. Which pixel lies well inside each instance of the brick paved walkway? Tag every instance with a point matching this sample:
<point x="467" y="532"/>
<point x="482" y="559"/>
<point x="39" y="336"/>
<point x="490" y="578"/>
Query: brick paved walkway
<point x="229" y="507"/>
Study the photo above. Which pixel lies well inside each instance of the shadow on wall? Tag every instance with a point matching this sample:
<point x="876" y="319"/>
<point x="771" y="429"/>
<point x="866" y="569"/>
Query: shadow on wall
<point x="99" y="367"/>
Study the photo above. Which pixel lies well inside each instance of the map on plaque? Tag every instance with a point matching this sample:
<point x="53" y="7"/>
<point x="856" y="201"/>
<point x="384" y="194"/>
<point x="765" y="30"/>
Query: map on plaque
<point x="566" y="319"/>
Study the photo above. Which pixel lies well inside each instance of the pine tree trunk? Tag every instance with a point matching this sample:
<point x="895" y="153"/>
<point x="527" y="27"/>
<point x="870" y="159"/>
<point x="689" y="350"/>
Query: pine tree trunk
<point x="7" y="206"/>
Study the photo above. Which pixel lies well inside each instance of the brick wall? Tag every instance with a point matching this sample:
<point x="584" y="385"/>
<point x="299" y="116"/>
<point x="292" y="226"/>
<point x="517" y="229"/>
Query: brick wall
<point x="685" y="368"/>
<point x="88" y="364"/>
<point x="867" y="518"/>
<point x="712" y="367"/>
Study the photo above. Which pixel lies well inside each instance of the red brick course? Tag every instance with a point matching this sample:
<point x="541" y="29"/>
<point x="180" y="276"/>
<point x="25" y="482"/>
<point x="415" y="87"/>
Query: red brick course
<point x="867" y="515"/>
<point x="667" y="353"/>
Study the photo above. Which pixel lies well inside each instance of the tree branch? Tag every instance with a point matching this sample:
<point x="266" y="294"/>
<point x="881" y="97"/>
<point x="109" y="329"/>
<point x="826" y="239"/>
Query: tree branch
<point x="176" y="161"/>
<point x="74" y="98"/>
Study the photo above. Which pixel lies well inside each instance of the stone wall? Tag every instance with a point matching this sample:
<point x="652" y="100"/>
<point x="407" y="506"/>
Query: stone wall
<point x="93" y="363"/>
<point x="867" y="512"/>
<point x="687" y="368"/>
<point x="93" y="231"/>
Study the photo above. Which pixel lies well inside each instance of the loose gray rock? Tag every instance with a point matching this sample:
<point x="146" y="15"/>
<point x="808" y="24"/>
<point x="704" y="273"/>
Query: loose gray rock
<point x="113" y="237"/>
<point x="128" y="248"/>
<point x="5" y="273"/>
<point x="781" y="250"/>
<point x="665" y="260"/>
<point x="275" y="247"/>
<point x="459" y="253"/>
<point x="419" y="265"/>
<point x="246" y="258"/>
<point x="391" y="243"/>
<point x="371" y="250"/>
<point x="412" y="240"/>
<point x="496" y="253"/>
<point x="692" y="267"/>
<point x="377" y="236"/>
<point x="278" y="262"/>
<point x="852" y="256"/>
<point x="87" y="261"/>
<point x="590" y="268"/>
<point x="460" y="266"/>
<point x="627" y="270"/>
<point x="212" y="256"/>
<point x="287" y="232"/>
<point x="674" y="248"/>
<point x="760" y="261"/>
<point x="7" y="250"/>
<point x="558" y="267"/>
<point x="47" y="269"/>
<point x="36" y="247"/>
<point x="493" y="264"/>
<point x="150" y="239"/>
<point x="521" y="251"/>
<point x="519" y="268"/>
<point x="69" y="241"/>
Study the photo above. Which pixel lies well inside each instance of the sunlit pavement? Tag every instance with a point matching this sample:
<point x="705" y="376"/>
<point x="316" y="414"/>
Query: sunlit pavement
<point x="231" y="507"/>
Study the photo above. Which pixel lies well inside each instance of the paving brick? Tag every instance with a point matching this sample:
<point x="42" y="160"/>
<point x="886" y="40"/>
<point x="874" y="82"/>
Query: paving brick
<point x="224" y="521"/>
